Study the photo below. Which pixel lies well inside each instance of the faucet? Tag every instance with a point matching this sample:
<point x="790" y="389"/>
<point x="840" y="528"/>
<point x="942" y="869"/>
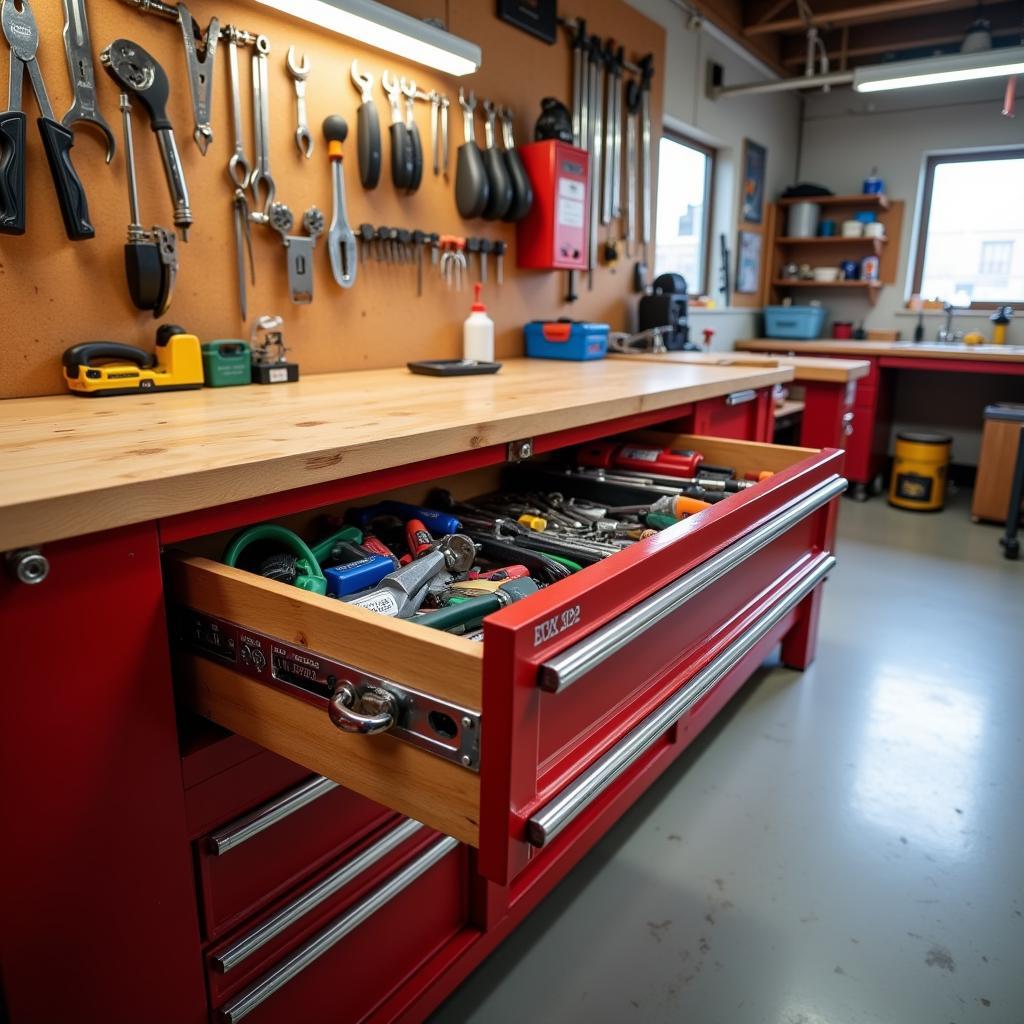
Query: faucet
<point x="946" y="334"/>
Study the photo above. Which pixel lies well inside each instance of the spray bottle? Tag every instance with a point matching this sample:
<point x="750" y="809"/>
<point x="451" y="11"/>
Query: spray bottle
<point x="478" y="332"/>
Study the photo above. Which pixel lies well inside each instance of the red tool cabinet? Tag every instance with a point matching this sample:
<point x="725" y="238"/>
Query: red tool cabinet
<point x="294" y="872"/>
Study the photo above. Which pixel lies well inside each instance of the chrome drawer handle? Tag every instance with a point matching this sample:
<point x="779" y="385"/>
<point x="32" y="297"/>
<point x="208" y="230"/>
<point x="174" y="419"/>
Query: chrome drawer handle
<point x="740" y="397"/>
<point x="346" y="699"/>
<point x="243" y="829"/>
<point x="287" y="916"/>
<point x="561" y="671"/>
<point x="333" y="933"/>
<point x="543" y="826"/>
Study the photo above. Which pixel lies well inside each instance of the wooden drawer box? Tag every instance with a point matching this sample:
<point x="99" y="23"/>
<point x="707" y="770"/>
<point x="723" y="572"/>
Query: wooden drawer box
<point x="562" y="678"/>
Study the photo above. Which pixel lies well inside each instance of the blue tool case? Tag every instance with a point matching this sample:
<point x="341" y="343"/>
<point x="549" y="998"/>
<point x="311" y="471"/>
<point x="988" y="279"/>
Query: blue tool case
<point x="565" y="339"/>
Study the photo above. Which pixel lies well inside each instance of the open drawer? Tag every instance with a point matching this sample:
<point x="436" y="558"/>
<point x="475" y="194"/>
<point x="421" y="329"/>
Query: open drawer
<point x="489" y="737"/>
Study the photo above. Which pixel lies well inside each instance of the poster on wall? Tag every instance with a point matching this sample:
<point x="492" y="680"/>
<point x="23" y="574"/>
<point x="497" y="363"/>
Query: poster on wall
<point x="748" y="262"/>
<point x="755" y="158"/>
<point x="538" y="17"/>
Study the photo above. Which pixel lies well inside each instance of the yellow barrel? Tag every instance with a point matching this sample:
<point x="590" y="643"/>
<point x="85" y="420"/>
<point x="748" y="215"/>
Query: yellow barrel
<point x="919" y="471"/>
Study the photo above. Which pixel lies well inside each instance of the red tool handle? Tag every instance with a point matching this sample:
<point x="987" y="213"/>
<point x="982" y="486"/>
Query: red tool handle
<point x="417" y="536"/>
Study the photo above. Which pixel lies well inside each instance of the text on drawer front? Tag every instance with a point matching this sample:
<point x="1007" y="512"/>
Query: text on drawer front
<point x="567" y="618"/>
<point x="356" y="700"/>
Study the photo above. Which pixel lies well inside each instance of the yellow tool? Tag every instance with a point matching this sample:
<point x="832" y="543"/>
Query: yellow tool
<point x="919" y="471"/>
<point x="98" y="368"/>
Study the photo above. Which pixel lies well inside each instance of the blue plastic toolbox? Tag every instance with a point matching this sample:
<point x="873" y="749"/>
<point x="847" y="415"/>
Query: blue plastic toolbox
<point x="797" y="323"/>
<point x="566" y="339"/>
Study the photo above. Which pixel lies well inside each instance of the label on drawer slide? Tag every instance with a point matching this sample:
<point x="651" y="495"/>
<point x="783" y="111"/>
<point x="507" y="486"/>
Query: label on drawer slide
<point x="443" y="728"/>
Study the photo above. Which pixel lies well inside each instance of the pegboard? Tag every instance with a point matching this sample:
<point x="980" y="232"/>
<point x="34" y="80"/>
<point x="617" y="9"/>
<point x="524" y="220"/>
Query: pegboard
<point x="55" y="293"/>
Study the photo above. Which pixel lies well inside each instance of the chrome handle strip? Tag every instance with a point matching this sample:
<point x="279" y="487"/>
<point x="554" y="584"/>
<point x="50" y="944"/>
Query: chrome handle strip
<point x="241" y="950"/>
<point x="741" y="397"/>
<point x="561" y="671"/>
<point x="546" y="823"/>
<point x="243" y="829"/>
<point x="314" y="948"/>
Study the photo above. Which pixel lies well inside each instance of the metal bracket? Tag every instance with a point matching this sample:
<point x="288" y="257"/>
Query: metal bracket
<point x="519" y="451"/>
<point x="442" y="728"/>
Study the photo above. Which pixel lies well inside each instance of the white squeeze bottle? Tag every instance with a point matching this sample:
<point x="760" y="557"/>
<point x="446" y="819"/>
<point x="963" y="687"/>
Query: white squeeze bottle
<point x="478" y="332"/>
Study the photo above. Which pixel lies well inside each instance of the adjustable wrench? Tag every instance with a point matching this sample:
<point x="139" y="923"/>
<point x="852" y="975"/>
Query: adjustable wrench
<point x="200" y="73"/>
<point x="78" y="48"/>
<point x="299" y="73"/>
<point x="341" y="240"/>
<point x="261" y="179"/>
<point x="299" y="247"/>
<point x="367" y="129"/>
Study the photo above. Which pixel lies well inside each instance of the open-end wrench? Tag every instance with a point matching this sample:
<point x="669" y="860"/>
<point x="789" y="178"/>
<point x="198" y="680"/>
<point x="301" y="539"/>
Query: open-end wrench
<point x="300" y="72"/>
<point x="341" y="239"/>
<point x="261" y="182"/>
<point x="445" y="104"/>
<point x="239" y="168"/>
<point x="78" y="48"/>
<point x="200" y="73"/>
<point x="501" y="193"/>
<point x="401" y="147"/>
<point x="367" y="129"/>
<point x="472" y="186"/>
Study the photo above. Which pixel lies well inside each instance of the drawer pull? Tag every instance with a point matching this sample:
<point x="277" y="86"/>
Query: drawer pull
<point x="741" y="397"/>
<point x="287" y="916"/>
<point x="561" y="671"/>
<point x="333" y="933"/>
<point x="346" y="699"/>
<point x="243" y="829"/>
<point x="543" y="826"/>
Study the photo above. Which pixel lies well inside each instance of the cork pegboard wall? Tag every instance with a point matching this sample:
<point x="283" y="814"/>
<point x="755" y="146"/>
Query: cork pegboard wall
<point x="55" y="293"/>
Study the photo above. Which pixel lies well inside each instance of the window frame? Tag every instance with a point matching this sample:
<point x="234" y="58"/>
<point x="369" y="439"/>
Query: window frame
<point x="932" y="161"/>
<point x="674" y="135"/>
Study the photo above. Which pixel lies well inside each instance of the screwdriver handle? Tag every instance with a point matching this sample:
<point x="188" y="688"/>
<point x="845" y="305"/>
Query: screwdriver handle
<point x="74" y="209"/>
<point x="12" y="172"/>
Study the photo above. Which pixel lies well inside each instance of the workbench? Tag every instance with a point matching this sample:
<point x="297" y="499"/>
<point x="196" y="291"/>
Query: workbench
<point x="829" y="388"/>
<point x="867" y="450"/>
<point x="190" y="837"/>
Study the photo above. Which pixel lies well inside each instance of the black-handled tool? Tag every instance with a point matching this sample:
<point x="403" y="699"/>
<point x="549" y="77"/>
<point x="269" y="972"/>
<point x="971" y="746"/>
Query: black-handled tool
<point x="401" y="148"/>
<point x="367" y="129"/>
<point x="500" y="183"/>
<point x="22" y="35"/>
<point x="136" y="72"/>
<point x="415" y="141"/>
<point x="472" y="188"/>
<point x="522" y="189"/>
<point x="85" y="354"/>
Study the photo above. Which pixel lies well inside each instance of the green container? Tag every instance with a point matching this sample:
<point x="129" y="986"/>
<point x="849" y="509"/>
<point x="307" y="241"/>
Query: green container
<point x="226" y="363"/>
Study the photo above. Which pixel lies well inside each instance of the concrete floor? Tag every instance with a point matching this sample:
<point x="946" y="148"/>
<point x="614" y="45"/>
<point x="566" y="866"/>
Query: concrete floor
<point x="841" y="847"/>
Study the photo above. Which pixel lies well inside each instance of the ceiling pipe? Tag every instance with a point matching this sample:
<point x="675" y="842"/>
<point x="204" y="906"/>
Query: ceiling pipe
<point x="784" y="85"/>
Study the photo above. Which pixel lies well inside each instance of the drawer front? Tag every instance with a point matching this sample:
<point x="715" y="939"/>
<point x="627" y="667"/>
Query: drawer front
<point x="254" y="858"/>
<point x="743" y="415"/>
<point x="360" y="952"/>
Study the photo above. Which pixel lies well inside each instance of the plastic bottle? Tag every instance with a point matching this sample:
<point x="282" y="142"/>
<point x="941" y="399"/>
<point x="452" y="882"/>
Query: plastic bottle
<point x="478" y="332"/>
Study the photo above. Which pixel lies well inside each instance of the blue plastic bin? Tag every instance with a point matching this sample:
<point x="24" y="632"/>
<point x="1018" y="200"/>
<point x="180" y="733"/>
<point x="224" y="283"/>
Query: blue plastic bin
<point x="565" y="339"/>
<point x="796" y="323"/>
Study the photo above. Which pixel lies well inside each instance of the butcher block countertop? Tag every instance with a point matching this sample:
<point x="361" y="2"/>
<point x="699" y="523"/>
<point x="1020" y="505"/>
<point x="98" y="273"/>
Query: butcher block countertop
<point x="902" y="349"/>
<point x="73" y="465"/>
<point x="815" y="368"/>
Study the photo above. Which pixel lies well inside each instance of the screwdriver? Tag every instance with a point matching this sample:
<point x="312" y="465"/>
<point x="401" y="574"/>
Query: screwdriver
<point x="470" y="613"/>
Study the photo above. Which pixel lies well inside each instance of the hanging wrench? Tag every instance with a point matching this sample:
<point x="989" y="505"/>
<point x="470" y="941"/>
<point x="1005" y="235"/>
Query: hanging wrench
<point x="300" y="72"/>
<point x="445" y="104"/>
<point x="78" y="48"/>
<point x="239" y="168"/>
<point x="200" y="73"/>
<point x="261" y="178"/>
<point x="435" y="139"/>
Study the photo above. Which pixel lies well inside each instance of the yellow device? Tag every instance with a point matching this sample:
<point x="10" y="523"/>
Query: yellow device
<point x="98" y="368"/>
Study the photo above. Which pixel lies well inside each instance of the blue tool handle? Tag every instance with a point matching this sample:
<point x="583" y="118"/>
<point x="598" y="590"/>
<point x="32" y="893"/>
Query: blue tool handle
<point x="438" y="523"/>
<point x="12" y="172"/>
<point x="57" y="142"/>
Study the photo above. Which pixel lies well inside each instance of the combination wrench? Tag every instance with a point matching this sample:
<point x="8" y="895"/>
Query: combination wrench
<point x="300" y="72"/>
<point x="261" y="180"/>
<point x="78" y="48"/>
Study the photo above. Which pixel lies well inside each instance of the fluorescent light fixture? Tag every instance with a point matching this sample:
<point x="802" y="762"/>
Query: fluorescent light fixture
<point x="373" y="24"/>
<point x="957" y="67"/>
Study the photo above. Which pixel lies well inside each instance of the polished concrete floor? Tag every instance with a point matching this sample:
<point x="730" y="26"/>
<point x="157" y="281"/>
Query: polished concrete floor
<point x="844" y="846"/>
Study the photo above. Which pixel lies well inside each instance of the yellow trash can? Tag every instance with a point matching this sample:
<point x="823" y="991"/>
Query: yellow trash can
<point x="919" y="471"/>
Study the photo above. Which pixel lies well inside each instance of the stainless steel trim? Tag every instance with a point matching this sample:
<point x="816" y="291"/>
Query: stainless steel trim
<point x="543" y="826"/>
<point x="273" y="926"/>
<point x="320" y="943"/>
<point x="564" y="669"/>
<point x="243" y="829"/>
<point x="741" y="397"/>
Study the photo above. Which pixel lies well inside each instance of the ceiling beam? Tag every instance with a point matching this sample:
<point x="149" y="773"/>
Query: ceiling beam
<point x="852" y="14"/>
<point x="770" y="11"/>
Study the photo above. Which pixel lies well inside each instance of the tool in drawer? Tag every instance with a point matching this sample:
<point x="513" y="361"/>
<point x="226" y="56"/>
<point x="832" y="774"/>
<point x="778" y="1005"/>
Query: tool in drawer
<point x="297" y="565"/>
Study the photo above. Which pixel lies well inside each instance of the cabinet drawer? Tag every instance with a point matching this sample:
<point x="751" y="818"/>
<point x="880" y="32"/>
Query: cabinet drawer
<point x="342" y="945"/>
<point x="558" y="680"/>
<point x="252" y="859"/>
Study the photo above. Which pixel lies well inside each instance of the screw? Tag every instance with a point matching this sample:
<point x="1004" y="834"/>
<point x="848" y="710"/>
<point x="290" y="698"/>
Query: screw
<point x="467" y="760"/>
<point x="28" y="565"/>
<point x="467" y="723"/>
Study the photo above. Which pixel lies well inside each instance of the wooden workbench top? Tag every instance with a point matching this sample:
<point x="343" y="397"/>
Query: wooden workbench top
<point x="904" y="350"/>
<point x="815" y="368"/>
<point x="75" y="465"/>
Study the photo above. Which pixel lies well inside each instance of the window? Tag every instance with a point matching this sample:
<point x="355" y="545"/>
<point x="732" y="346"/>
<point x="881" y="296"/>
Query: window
<point x="684" y="202"/>
<point x="970" y="248"/>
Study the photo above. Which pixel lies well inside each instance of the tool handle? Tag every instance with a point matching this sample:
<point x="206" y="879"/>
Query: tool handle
<point x="472" y="189"/>
<point x="401" y="155"/>
<point x="522" y="190"/>
<point x="460" y="614"/>
<point x="368" y="132"/>
<point x="12" y="172"/>
<point x="416" y="159"/>
<point x="84" y="354"/>
<point x="500" y="183"/>
<point x="144" y="272"/>
<point x="74" y="209"/>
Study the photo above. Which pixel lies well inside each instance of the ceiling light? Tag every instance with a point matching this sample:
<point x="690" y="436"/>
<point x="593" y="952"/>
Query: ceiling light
<point x="957" y="67"/>
<point x="373" y="24"/>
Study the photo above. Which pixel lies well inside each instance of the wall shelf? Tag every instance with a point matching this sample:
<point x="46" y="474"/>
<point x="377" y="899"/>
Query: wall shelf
<point x="874" y="244"/>
<point x="876" y="201"/>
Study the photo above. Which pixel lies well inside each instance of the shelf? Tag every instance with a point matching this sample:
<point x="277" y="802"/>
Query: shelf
<point x="836" y="242"/>
<point x="783" y="283"/>
<point x="876" y="200"/>
<point x="789" y="407"/>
